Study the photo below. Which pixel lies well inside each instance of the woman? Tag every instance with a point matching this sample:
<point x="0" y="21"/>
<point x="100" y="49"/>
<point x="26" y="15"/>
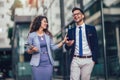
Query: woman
<point x="40" y="46"/>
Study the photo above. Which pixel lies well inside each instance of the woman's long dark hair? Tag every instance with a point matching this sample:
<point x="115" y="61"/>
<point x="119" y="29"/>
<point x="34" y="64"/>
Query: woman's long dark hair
<point x="36" y="23"/>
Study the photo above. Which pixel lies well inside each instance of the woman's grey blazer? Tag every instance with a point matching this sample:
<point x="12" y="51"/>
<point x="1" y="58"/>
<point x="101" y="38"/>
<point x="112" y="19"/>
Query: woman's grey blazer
<point x="34" y="40"/>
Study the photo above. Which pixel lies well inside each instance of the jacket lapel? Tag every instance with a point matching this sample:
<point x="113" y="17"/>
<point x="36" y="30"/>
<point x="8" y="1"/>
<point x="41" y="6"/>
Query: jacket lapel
<point x="73" y="33"/>
<point x="47" y="39"/>
<point x="87" y="31"/>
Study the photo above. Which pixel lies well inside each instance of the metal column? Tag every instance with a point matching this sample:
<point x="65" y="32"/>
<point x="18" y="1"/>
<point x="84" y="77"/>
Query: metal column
<point x="64" y="54"/>
<point x="104" y="41"/>
<point x="81" y="4"/>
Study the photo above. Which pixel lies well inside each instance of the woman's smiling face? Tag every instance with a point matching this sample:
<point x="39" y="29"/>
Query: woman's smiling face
<point x="44" y="23"/>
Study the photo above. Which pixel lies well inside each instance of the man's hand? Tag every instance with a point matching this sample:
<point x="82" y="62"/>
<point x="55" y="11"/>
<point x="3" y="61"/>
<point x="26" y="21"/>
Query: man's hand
<point x="69" y="43"/>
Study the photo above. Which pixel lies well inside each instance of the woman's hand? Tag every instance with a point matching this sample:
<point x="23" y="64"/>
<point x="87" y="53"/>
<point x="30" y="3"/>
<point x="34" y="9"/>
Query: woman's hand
<point x="65" y="39"/>
<point x="32" y="49"/>
<point x="63" y="42"/>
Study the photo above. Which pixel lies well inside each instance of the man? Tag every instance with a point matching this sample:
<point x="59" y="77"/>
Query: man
<point x="83" y="43"/>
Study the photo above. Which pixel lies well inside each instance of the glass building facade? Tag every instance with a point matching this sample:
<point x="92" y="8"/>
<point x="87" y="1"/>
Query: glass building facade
<point x="20" y="59"/>
<point x="106" y="19"/>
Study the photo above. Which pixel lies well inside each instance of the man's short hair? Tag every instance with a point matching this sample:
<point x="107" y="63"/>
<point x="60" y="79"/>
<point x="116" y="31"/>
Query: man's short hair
<point x="76" y="8"/>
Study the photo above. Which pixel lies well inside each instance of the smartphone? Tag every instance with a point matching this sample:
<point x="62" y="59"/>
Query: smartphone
<point x="29" y="46"/>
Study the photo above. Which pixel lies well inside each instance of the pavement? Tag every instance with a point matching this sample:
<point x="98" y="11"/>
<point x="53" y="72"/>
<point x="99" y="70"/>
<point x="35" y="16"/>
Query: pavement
<point x="67" y="79"/>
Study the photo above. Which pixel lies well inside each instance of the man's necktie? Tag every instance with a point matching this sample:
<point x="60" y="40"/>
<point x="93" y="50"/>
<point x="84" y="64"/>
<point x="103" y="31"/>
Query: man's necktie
<point x="80" y="42"/>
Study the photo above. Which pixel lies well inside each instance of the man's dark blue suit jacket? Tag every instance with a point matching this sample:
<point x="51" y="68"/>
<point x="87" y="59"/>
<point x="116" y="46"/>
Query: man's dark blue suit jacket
<point x="91" y="38"/>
